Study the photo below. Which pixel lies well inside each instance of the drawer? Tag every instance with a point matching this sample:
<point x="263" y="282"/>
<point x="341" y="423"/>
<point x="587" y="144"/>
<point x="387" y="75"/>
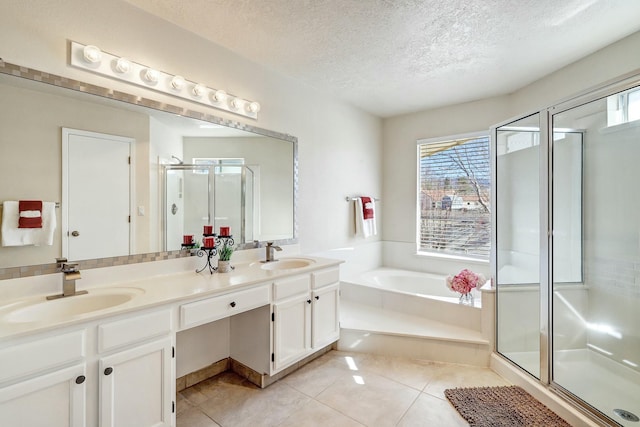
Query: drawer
<point x="137" y="328"/>
<point x="284" y="288"/>
<point x="325" y="277"/>
<point x="215" y="308"/>
<point x="41" y="354"/>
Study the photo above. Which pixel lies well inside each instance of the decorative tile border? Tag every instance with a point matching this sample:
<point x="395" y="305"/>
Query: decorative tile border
<point x="76" y="85"/>
<point x="37" y="270"/>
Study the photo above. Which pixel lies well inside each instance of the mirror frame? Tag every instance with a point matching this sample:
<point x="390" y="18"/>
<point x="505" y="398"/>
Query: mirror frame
<point x="79" y="86"/>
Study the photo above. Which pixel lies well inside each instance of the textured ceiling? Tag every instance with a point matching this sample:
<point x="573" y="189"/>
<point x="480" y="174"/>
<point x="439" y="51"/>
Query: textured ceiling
<point x="391" y="57"/>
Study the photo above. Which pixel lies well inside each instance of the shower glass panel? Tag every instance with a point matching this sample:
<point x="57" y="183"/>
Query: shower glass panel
<point x="234" y="200"/>
<point x="517" y="252"/>
<point x="596" y="255"/>
<point x="186" y="203"/>
<point x="218" y="195"/>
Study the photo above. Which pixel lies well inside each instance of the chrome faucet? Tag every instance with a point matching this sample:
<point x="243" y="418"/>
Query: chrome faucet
<point x="270" y="256"/>
<point x="70" y="275"/>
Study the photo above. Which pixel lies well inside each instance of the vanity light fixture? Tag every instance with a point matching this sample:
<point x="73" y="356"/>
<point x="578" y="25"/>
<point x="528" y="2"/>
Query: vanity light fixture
<point x="92" y="58"/>
<point x="92" y="54"/>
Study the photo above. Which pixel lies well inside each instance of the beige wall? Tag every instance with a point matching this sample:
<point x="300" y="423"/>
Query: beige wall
<point x="339" y="145"/>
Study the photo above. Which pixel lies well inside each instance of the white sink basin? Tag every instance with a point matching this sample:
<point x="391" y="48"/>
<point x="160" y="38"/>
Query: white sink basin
<point x="287" y="264"/>
<point x="42" y="310"/>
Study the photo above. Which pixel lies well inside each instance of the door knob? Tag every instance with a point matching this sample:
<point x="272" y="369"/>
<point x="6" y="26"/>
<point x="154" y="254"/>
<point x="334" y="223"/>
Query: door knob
<point x="75" y="233"/>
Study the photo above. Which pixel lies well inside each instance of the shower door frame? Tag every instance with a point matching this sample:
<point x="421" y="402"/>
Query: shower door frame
<point x="622" y="83"/>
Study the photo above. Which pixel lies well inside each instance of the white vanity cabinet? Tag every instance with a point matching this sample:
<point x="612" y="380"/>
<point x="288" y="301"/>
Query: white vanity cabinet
<point x="43" y="381"/>
<point x="137" y="383"/>
<point x="119" y="370"/>
<point x="136" y="386"/>
<point x="291" y="321"/>
<point x="326" y="307"/>
<point x="305" y="316"/>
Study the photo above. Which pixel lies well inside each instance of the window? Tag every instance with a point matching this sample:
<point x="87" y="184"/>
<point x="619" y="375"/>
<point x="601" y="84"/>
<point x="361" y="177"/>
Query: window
<point x="221" y="165"/>
<point x="623" y="107"/>
<point x="454" y="197"/>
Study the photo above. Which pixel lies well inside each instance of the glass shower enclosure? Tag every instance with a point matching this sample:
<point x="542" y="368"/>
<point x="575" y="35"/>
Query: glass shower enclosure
<point x="202" y="194"/>
<point x="566" y="257"/>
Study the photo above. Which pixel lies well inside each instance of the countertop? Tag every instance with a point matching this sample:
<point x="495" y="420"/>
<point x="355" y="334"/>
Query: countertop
<point x="152" y="292"/>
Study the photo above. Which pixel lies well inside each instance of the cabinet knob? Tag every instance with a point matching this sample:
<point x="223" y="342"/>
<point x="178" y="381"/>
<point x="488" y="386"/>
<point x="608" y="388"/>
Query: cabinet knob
<point x="309" y="301"/>
<point x="80" y="379"/>
<point x="233" y="304"/>
<point x="317" y="297"/>
<point x="108" y="371"/>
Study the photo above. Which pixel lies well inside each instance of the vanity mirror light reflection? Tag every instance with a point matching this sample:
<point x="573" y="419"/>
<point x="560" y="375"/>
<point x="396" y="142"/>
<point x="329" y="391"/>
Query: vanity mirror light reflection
<point x="184" y="172"/>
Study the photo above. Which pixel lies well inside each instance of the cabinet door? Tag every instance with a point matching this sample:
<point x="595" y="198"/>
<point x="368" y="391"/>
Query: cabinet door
<point x="136" y="388"/>
<point x="53" y="400"/>
<point x="325" y="316"/>
<point x="291" y="330"/>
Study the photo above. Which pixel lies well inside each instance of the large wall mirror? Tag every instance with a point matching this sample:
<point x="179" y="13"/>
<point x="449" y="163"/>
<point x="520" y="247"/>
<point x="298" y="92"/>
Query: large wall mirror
<point x="131" y="175"/>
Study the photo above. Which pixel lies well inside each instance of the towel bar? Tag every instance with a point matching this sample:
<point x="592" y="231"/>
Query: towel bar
<point x="57" y="205"/>
<point x="351" y="199"/>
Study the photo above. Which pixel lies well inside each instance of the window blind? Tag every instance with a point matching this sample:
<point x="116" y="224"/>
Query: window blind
<point x="454" y="197"/>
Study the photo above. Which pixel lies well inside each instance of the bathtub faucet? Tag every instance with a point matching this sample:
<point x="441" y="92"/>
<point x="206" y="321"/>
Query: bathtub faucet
<point x="270" y="256"/>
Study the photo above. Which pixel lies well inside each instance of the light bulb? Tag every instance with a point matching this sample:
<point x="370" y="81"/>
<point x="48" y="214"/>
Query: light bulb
<point x="92" y="54"/>
<point x="236" y="103"/>
<point x="177" y="82"/>
<point x="252" y="107"/>
<point x="219" y="96"/>
<point x="198" y="90"/>
<point x="151" y="75"/>
<point x="123" y="65"/>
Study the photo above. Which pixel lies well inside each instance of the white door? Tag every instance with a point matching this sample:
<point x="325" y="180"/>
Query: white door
<point x="325" y="316"/>
<point x="292" y="331"/>
<point x="96" y="194"/>
<point x="54" y="400"/>
<point x="136" y="388"/>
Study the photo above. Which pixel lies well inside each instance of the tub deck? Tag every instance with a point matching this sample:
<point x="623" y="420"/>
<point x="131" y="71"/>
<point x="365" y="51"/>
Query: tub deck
<point x="388" y="322"/>
<point x="364" y="317"/>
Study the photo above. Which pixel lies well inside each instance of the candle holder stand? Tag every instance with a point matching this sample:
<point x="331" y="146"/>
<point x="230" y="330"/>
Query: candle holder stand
<point x="210" y="253"/>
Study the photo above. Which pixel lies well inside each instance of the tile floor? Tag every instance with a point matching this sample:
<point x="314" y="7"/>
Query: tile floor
<point x="338" y="389"/>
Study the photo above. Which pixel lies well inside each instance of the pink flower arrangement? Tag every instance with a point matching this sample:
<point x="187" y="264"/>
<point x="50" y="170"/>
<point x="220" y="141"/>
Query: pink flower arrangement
<point x="465" y="281"/>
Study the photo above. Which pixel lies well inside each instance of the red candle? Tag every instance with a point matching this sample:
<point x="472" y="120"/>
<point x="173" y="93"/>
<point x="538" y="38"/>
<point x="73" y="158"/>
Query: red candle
<point x="224" y="231"/>
<point x="187" y="239"/>
<point x="209" y="242"/>
<point x="208" y="229"/>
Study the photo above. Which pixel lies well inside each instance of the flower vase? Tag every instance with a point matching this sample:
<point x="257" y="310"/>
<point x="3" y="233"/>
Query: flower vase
<point x="466" y="299"/>
<point x="224" y="266"/>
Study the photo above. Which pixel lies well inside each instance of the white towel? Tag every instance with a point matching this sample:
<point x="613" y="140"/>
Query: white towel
<point x="365" y="216"/>
<point x="14" y="236"/>
<point x="30" y="214"/>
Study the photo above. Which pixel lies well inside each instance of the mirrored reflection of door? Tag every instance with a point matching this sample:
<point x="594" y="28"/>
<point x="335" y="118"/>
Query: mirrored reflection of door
<point x="96" y="195"/>
<point x="596" y="254"/>
<point x="517" y="151"/>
